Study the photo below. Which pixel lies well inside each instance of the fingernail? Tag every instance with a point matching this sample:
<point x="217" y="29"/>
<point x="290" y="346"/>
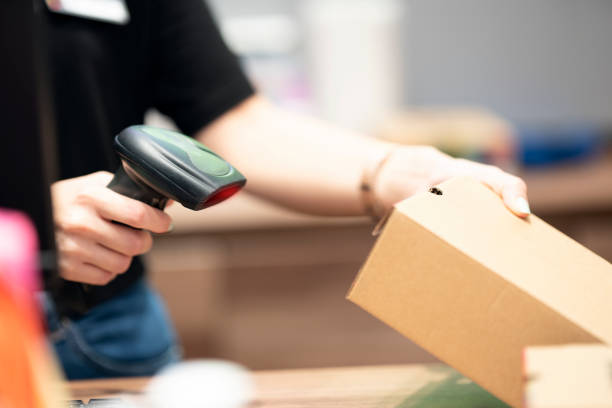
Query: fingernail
<point x="521" y="205"/>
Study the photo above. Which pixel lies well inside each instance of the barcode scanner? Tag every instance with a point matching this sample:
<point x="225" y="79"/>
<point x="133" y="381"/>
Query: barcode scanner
<point x="158" y="164"/>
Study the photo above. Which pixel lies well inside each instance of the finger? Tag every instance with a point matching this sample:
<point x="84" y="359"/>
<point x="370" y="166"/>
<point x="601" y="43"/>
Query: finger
<point x="97" y="255"/>
<point x="85" y="273"/>
<point x="514" y="194"/>
<point x="122" y="239"/>
<point x="116" y="207"/>
<point x="133" y="213"/>
<point x="101" y="178"/>
<point x="511" y="189"/>
<point x="99" y="277"/>
<point x="141" y="216"/>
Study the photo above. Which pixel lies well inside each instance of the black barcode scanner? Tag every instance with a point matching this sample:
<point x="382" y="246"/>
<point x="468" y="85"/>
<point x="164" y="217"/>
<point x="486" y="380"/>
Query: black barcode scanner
<point x="157" y="165"/>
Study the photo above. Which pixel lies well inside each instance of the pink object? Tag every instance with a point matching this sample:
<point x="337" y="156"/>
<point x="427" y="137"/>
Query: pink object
<point x="29" y="375"/>
<point x="18" y="253"/>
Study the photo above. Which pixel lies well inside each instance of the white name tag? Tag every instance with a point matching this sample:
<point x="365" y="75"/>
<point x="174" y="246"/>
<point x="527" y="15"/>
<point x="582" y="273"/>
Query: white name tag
<point x="110" y="11"/>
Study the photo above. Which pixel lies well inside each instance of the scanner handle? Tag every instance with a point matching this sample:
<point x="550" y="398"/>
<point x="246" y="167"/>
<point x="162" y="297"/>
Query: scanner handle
<point x="132" y="187"/>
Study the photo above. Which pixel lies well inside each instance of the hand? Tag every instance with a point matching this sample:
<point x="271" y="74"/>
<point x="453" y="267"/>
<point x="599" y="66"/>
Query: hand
<point x="91" y="248"/>
<point x="412" y="169"/>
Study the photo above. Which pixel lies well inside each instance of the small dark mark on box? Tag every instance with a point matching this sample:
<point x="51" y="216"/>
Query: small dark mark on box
<point x="435" y="190"/>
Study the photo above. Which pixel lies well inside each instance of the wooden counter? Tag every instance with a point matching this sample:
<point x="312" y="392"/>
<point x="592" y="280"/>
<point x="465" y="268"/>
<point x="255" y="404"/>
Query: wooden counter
<point x="409" y="386"/>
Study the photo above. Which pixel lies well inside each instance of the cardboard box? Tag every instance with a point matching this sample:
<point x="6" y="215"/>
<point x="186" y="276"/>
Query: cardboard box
<point x="473" y="284"/>
<point x="573" y="376"/>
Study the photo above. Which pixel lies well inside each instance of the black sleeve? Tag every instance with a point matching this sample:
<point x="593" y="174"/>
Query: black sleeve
<point x="196" y="77"/>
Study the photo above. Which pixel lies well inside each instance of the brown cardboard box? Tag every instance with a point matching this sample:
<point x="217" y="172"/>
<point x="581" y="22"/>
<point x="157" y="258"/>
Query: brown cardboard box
<point x="572" y="376"/>
<point x="473" y="284"/>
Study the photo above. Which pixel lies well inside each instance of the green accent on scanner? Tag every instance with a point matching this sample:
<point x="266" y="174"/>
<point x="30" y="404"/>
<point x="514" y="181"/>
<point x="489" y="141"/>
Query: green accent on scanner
<point x="202" y="157"/>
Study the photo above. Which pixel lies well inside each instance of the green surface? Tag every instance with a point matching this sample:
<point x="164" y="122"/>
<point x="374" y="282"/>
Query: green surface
<point x="201" y="157"/>
<point x="455" y="391"/>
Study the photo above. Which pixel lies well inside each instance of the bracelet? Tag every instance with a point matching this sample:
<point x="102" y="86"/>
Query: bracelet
<point x="372" y="206"/>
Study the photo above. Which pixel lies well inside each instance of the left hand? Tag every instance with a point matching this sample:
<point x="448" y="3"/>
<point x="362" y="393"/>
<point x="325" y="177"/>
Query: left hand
<point x="412" y="169"/>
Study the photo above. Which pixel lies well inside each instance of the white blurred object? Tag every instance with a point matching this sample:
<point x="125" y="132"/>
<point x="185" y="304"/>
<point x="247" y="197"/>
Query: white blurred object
<point x="112" y="11"/>
<point x="201" y="384"/>
<point x="262" y="34"/>
<point x="354" y="53"/>
<point x="267" y="46"/>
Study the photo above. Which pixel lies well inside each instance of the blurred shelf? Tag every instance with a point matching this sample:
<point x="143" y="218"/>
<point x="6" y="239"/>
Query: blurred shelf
<point x="568" y="189"/>
<point x="247" y="212"/>
<point x="572" y="189"/>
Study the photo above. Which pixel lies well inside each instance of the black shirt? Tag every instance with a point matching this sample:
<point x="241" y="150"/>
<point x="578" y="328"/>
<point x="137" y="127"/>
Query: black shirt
<point x="170" y="56"/>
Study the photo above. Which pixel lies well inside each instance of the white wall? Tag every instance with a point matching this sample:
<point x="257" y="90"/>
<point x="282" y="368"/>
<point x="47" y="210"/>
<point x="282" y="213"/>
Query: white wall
<point x="536" y="61"/>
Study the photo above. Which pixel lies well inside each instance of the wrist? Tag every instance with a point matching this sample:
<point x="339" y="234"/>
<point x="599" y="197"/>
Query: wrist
<point x="370" y="201"/>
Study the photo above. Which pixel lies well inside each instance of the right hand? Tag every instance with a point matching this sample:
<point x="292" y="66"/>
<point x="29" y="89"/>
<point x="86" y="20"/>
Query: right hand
<point x="91" y="248"/>
<point x="413" y="169"/>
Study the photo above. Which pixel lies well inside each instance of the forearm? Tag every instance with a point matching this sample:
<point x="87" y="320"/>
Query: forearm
<point x="294" y="160"/>
<point x="317" y="168"/>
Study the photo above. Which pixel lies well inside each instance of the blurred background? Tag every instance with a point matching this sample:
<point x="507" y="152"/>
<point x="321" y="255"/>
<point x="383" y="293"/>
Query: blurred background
<point x="525" y="84"/>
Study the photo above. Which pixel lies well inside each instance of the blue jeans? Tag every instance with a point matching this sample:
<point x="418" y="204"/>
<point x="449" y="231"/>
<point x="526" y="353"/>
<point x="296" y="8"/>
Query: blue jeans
<point x="128" y="335"/>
